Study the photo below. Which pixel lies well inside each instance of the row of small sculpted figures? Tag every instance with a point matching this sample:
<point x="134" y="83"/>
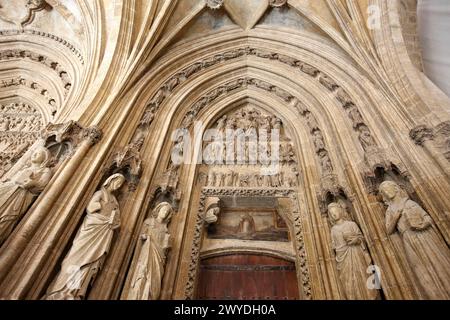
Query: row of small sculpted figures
<point x="18" y="108"/>
<point x="12" y="123"/>
<point x="285" y="152"/>
<point x="287" y="179"/>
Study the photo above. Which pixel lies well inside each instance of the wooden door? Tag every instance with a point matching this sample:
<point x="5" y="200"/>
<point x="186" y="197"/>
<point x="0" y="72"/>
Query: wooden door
<point x="247" y="277"/>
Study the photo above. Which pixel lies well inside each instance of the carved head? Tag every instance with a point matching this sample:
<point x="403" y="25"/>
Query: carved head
<point x="40" y="156"/>
<point x="163" y="211"/>
<point x="114" y="182"/>
<point x="389" y="190"/>
<point x="336" y="212"/>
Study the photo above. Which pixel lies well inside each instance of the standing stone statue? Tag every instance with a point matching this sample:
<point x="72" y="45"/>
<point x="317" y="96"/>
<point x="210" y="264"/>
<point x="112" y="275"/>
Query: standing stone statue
<point x="18" y="193"/>
<point x="352" y="257"/>
<point x="151" y="255"/>
<point x="91" y="244"/>
<point x="427" y="253"/>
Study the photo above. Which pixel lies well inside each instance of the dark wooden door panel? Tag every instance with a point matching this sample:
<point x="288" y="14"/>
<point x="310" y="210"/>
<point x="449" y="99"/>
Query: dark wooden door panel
<point x="247" y="277"/>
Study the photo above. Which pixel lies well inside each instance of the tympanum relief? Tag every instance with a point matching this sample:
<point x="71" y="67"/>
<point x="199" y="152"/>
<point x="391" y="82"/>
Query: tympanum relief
<point x="250" y="149"/>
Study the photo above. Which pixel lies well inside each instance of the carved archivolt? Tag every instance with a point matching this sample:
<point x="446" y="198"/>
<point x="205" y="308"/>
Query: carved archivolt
<point x="33" y="85"/>
<point x="374" y="156"/>
<point x="64" y="42"/>
<point x="55" y="66"/>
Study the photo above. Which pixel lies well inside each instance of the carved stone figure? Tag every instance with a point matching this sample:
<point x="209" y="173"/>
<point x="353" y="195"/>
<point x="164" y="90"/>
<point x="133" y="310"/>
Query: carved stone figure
<point x="148" y="117"/>
<point x="328" y="83"/>
<point x="355" y="116"/>
<point x="426" y="251"/>
<point x="352" y="258"/>
<point x="212" y="206"/>
<point x="152" y="249"/>
<point x="244" y="180"/>
<point x="343" y="97"/>
<point x="325" y="162"/>
<point x="309" y="70"/>
<point x="318" y="140"/>
<point x="229" y="179"/>
<point x="366" y="139"/>
<point x="311" y="121"/>
<point x="17" y="194"/>
<point x="211" y="178"/>
<point x="91" y="244"/>
<point x="291" y="179"/>
<point x="220" y="179"/>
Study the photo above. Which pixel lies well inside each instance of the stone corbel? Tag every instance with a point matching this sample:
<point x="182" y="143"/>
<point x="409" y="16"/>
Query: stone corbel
<point x="212" y="210"/>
